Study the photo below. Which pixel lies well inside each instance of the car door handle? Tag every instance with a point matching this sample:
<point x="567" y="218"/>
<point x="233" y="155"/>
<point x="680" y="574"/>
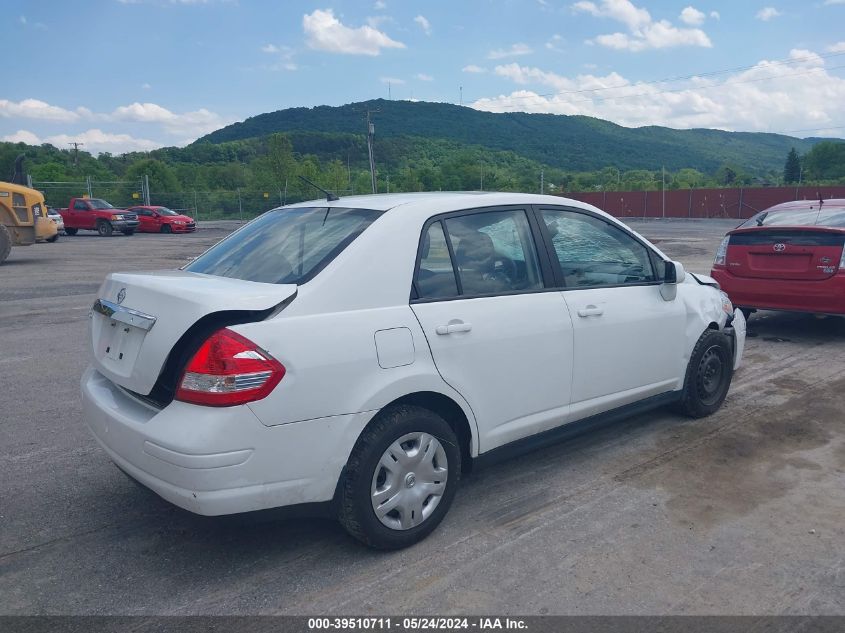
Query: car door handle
<point x="590" y="310"/>
<point x="460" y="326"/>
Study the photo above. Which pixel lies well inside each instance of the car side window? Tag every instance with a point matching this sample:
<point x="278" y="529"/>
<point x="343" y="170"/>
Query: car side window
<point x="436" y="276"/>
<point x="494" y="252"/>
<point x="80" y="206"/>
<point x="593" y="252"/>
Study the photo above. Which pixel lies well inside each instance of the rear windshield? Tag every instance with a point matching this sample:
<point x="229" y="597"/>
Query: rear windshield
<point x="810" y="216"/>
<point x="95" y="203"/>
<point x="285" y="246"/>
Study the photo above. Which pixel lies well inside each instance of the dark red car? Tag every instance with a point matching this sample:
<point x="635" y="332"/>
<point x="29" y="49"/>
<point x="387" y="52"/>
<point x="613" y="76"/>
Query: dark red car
<point x="162" y="220"/>
<point x="789" y="257"/>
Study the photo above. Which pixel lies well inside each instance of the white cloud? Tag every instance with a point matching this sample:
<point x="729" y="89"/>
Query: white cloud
<point x="424" y="77"/>
<point x="770" y="97"/>
<point x="325" y="32"/>
<point x="22" y="136"/>
<point x="285" y="55"/>
<point x="839" y="47"/>
<point x="146" y="86"/>
<point x="36" y="109"/>
<point x="270" y="48"/>
<point x="472" y="68"/>
<point x="93" y="140"/>
<point x="643" y="32"/>
<point x="424" y="24"/>
<point x="767" y="13"/>
<point x="829" y="2"/>
<point x="380" y="5"/>
<point x="186" y="124"/>
<point x="692" y="16"/>
<point x="554" y="43"/>
<point x="515" y="50"/>
<point x="715" y="15"/>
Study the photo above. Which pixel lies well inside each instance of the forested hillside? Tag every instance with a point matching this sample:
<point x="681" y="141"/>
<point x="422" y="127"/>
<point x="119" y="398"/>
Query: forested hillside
<point x="572" y="143"/>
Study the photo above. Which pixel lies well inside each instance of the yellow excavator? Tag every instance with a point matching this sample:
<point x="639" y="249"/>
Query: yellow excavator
<point x="23" y="214"/>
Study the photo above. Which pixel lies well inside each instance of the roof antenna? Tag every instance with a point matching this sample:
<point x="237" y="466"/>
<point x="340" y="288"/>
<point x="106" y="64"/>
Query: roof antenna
<point x="330" y="197"/>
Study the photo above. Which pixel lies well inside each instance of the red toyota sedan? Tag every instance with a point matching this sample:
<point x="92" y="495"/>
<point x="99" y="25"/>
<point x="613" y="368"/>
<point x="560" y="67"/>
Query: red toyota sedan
<point x="162" y="220"/>
<point x="790" y="257"/>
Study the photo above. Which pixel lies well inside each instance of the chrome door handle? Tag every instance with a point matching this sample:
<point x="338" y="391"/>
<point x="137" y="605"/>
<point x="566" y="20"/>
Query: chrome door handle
<point x="452" y="328"/>
<point x="590" y="310"/>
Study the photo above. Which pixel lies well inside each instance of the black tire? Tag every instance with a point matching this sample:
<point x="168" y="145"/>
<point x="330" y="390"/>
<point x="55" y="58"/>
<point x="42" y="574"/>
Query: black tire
<point x="105" y="229"/>
<point x="54" y="238"/>
<point x="747" y="312"/>
<point x="70" y="232"/>
<point x="166" y="228"/>
<point x="708" y="376"/>
<point x="5" y="243"/>
<point x="355" y="507"/>
<point x="129" y="232"/>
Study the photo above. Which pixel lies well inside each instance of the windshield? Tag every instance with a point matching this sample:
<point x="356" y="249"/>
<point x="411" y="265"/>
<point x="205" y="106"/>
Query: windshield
<point x="99" y="204"/>
<point x="165" y="211"/>
<point x="809" y="216"/>
<point x="285" y="246"/>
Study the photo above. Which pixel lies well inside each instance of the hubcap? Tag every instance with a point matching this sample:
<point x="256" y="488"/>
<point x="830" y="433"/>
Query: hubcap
<point x="409" y="481"/>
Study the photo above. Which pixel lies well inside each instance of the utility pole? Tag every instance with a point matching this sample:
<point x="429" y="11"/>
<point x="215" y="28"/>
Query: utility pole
<point x="481" y="187"/>
<point x="663" y="172"/>
<point x="147" y="189"/>
<point x="371" y="132"/>
<point x="542" y="182"/>
<point x="75" y="145"/>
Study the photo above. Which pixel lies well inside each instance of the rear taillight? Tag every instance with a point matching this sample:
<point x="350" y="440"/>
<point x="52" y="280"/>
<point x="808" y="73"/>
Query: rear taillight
<point x="722" y="252"/>
<point x="229" y="369"/>
<point x="842" y="260"/>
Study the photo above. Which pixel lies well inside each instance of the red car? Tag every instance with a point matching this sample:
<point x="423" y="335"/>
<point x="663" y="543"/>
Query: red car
<point x="789" y="257"/>
<point x="162" y="220"/>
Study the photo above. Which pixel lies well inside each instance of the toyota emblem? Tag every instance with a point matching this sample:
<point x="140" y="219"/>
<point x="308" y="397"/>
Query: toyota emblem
<point x="121" y="295"/>
<point x="779" y="248"/>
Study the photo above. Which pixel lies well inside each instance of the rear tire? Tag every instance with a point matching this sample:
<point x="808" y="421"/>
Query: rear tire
<point x="166" y="228"/>
<point x="708" y="376"/>
<point x="129" y="232"/>
<point x="105" y="229"/>
<point x="747" y="312"/>
<point x="70" y="232"/>
<point x="5" y="243"/>
<point x="408" y="460"/>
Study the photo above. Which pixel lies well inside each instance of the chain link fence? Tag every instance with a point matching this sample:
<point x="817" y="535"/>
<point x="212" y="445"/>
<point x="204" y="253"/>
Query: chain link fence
<point x="240" y="204"/>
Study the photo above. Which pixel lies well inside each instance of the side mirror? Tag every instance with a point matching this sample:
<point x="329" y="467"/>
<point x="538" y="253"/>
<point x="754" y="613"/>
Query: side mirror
<point x="673" y="275"/>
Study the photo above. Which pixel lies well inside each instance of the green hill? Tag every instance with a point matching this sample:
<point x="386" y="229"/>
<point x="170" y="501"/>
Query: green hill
<point x="573" y="143"/>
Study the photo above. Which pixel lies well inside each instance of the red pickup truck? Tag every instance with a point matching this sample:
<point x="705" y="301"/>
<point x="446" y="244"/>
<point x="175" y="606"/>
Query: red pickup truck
<point x="93" y="214"/>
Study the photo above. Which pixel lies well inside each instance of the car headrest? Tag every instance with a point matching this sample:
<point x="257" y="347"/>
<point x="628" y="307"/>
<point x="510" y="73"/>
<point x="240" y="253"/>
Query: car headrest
<point x="475" y="249"/>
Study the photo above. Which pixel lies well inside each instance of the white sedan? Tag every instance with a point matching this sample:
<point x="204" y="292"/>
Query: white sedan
<point x="359" y="355"/>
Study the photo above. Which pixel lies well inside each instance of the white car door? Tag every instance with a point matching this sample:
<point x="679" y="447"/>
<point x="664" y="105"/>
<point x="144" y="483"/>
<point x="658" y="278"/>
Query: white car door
<point x="629" y="342"/>
<point x="497" y="334"/>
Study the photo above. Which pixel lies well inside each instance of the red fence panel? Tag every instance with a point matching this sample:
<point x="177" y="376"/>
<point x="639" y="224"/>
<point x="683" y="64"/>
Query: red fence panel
<point x="700" y="203"/>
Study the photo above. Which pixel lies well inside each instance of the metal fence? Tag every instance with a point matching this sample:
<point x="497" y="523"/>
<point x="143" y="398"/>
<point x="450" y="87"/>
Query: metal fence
<point x="700" y="203"/>
<point x="239" y="204"/>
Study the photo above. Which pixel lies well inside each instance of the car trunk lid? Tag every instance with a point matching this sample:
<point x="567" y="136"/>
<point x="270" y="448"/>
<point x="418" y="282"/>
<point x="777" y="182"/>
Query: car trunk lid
<point x="794" y="253"/>
<point x="139" y="317"/>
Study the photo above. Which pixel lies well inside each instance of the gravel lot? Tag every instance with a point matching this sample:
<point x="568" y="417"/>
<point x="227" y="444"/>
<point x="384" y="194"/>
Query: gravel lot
<point x="741" y="513"/>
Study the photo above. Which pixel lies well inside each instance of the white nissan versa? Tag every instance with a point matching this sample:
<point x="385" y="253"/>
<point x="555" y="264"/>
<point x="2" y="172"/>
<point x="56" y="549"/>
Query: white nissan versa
<point x="365" y="352"/>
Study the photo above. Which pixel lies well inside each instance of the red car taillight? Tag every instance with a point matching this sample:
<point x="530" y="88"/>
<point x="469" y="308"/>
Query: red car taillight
<point x="229" y="369"/>
<point x="722" y="252"/>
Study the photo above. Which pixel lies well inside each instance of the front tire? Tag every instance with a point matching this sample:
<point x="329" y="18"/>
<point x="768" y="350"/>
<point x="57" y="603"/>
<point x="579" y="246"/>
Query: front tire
<point x="5" y="243"/>
<point x="708" y="376"/>
<point x="166" y="228"/>
<point x="53" y="239"/>
<point x="401" y="478"/>
<point x="105" y="229"/>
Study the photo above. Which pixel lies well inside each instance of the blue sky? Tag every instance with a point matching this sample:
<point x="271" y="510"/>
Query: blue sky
<point x="121" y="75"/>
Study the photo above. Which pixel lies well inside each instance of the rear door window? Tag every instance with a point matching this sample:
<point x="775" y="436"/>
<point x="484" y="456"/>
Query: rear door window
<point x="436" y="277"/>
<point x="285" y="246"/>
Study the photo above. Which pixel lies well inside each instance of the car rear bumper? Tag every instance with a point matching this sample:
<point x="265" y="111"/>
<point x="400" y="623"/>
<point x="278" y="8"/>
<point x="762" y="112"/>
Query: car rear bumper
<point x="826" y="296"/>
<point x="215" y="461"/>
